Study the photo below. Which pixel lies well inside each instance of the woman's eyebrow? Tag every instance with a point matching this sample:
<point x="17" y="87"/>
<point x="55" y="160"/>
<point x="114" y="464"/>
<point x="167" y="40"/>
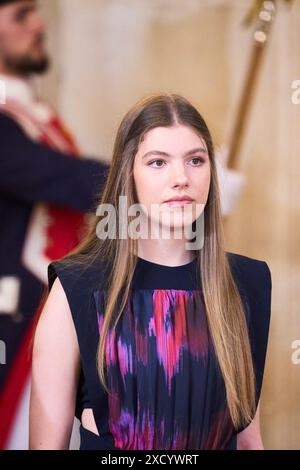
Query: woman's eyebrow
<point x="164" y="154"/>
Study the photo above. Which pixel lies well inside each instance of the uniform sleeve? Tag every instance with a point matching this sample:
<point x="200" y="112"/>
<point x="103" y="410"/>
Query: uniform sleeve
<point x="32" y="172"/>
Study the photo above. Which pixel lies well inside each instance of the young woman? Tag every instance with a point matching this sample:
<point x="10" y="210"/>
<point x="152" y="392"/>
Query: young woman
<point x="157" y="341"/>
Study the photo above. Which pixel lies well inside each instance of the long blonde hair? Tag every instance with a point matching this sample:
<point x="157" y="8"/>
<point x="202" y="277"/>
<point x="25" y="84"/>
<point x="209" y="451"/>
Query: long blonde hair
<point x="225" y="314"/>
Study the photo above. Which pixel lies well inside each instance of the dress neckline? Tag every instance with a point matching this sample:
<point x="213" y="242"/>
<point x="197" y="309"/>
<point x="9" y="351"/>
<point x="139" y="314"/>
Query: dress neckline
<point x="147" y="263"/>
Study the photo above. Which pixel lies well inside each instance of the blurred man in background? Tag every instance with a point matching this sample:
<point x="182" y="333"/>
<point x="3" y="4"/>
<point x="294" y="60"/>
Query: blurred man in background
<point x="45" y="193"/>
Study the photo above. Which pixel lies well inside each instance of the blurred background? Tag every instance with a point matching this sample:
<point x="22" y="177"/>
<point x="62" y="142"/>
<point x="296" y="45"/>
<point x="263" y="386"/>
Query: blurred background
<point x="106" y="54"/>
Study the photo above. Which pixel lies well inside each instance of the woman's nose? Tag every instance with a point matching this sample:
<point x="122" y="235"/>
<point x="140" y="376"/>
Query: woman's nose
<point x="179" y="176"/>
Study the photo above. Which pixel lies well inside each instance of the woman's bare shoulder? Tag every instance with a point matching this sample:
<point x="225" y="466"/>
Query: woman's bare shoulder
<point x="55" y="323"/>
<point x="55" y="372"/>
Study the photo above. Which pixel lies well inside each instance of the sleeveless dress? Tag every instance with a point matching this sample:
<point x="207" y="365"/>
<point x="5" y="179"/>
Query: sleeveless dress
<point x="166" y="388"/>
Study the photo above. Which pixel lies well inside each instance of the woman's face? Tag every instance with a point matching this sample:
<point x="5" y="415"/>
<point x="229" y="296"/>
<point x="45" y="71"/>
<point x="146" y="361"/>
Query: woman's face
<point x="172" y="162"/>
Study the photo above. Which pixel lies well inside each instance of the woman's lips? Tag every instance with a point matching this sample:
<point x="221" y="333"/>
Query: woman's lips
<point x="179" y="203"/>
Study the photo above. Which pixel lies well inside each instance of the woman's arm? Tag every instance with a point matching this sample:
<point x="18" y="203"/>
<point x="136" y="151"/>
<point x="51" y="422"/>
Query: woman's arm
<point x="55" y="373"/>
<point x="250" y="438"/>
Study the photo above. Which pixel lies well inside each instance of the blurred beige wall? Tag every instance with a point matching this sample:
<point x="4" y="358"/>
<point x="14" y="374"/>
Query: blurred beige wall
<point x="50" y="83"/>
<point x="266" y="223"/>
<point x="109" y="53"/>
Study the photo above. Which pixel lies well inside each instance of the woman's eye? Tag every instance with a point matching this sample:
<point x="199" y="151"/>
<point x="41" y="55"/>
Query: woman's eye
<point x="197" y="160"/>
<point x="158" y="162"/>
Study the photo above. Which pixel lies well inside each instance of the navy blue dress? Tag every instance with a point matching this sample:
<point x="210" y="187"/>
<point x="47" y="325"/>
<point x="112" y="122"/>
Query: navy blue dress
<point x="166" y="388"/>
